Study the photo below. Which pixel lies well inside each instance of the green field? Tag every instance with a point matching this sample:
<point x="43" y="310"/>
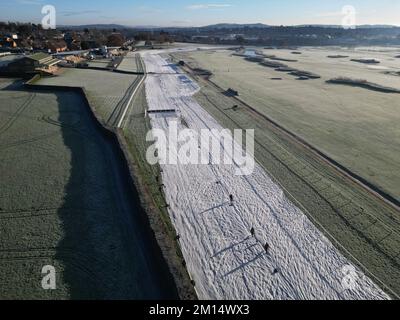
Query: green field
<point x="64" y="202"/>
<point x="103" y="63"/>
<point x="359" y="128"/>
<point x="104" y="89"/>
<point x="130" y="63"/>
<point x="5" y="60"/>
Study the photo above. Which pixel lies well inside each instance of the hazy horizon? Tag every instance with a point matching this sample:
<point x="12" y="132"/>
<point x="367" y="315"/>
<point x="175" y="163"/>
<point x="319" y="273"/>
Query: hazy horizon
<point x="181" y="13"/>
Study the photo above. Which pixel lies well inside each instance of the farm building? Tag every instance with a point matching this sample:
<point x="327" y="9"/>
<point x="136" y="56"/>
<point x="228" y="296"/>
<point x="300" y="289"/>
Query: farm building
<point x="32" y="63"/>
<point x="6" y="58"/>
<point x="9" y="41"/>
<point x="56" y="46"/>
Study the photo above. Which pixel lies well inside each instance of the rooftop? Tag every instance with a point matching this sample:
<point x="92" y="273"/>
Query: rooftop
<point x="39" y="56"/>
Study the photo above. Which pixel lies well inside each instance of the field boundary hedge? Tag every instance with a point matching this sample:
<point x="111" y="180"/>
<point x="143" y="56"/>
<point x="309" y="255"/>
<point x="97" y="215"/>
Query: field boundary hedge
<point x="363" y="84"/>
<point x="128" y="72"/>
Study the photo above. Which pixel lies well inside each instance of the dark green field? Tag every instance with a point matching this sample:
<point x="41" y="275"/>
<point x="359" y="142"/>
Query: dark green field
<point x="65" y="201"/>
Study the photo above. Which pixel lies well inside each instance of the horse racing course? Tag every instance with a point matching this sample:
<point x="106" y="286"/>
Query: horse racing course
<point x="355" y="126"/>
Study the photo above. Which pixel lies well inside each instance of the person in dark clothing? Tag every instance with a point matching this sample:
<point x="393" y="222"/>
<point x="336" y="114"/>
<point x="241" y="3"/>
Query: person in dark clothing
<point x="231" y="199"/>
<point x="253" y="232"/>
<point x="266" y="247"/>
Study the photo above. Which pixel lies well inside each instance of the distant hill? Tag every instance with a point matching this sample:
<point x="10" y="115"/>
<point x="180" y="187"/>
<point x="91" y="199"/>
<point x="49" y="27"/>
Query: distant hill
<point x="376" y="26"/>
<point x="94" y="26"/>
<point x="220" y="26"/>
<point x="235" y="26"/>
<point x="261" y="25"/>
<point x="366" y="26"/>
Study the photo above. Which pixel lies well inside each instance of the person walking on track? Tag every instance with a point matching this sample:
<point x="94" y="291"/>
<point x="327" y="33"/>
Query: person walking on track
<point x="231" y="199"/>
<point x="266" y="247"/>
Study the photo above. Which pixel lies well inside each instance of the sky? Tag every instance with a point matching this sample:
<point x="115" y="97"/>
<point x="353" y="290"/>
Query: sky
<point x="200" y="12"/>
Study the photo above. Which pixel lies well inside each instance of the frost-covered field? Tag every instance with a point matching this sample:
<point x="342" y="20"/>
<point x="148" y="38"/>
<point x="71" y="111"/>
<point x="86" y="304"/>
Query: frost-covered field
<point x="105" y="89"/>
<point x="129" y="63"/>
<point x="64" y="203"/>
<point x="222" y="257"/>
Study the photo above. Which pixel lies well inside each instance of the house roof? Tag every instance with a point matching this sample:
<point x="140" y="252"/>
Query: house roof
<point x="43" y="59"/>
<point x="39" y="56"/>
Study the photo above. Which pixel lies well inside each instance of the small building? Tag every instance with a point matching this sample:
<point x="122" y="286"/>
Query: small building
<point x="231" y="93"/>
<point x="8" y="41"/>
<point x="6" y="58"/>
<point x="104" y="50"/>
<point x="31" y="64"/>
<point x="56" y="46"/>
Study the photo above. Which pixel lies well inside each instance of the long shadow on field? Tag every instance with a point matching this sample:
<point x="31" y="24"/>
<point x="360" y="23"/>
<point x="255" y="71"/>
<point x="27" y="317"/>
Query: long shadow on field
<point x="14" y="85"/>
<point x="108" y="250"/>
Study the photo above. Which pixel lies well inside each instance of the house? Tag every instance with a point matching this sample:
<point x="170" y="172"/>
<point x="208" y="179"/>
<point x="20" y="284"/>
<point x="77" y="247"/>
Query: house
<point x="8" y="41"/>
<point x="31" y="64"/>
<point x="56" y="45"/>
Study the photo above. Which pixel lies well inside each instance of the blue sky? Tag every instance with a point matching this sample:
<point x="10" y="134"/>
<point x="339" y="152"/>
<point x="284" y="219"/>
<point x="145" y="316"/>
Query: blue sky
<point x="198" y="13"/>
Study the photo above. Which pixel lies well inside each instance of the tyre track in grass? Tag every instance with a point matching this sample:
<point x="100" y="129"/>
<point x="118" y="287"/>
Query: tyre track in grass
<point x="77" y="259"/>
<point x="115" y="118"/>
<point x="28" y="141"/>
<point x="39" y="212"/>
<point x="118" y="110"/>
<point x="6" y="126"/>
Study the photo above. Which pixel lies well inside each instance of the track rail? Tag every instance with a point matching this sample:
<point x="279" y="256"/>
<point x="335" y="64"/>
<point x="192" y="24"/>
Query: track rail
<point x="117" y="117"/>
<point x="122" y="118"/>
<point x="15" y="116"/>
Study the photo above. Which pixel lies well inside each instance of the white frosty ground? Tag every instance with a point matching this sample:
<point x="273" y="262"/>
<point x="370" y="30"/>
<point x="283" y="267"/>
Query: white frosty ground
<point x="224" y="261"/>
